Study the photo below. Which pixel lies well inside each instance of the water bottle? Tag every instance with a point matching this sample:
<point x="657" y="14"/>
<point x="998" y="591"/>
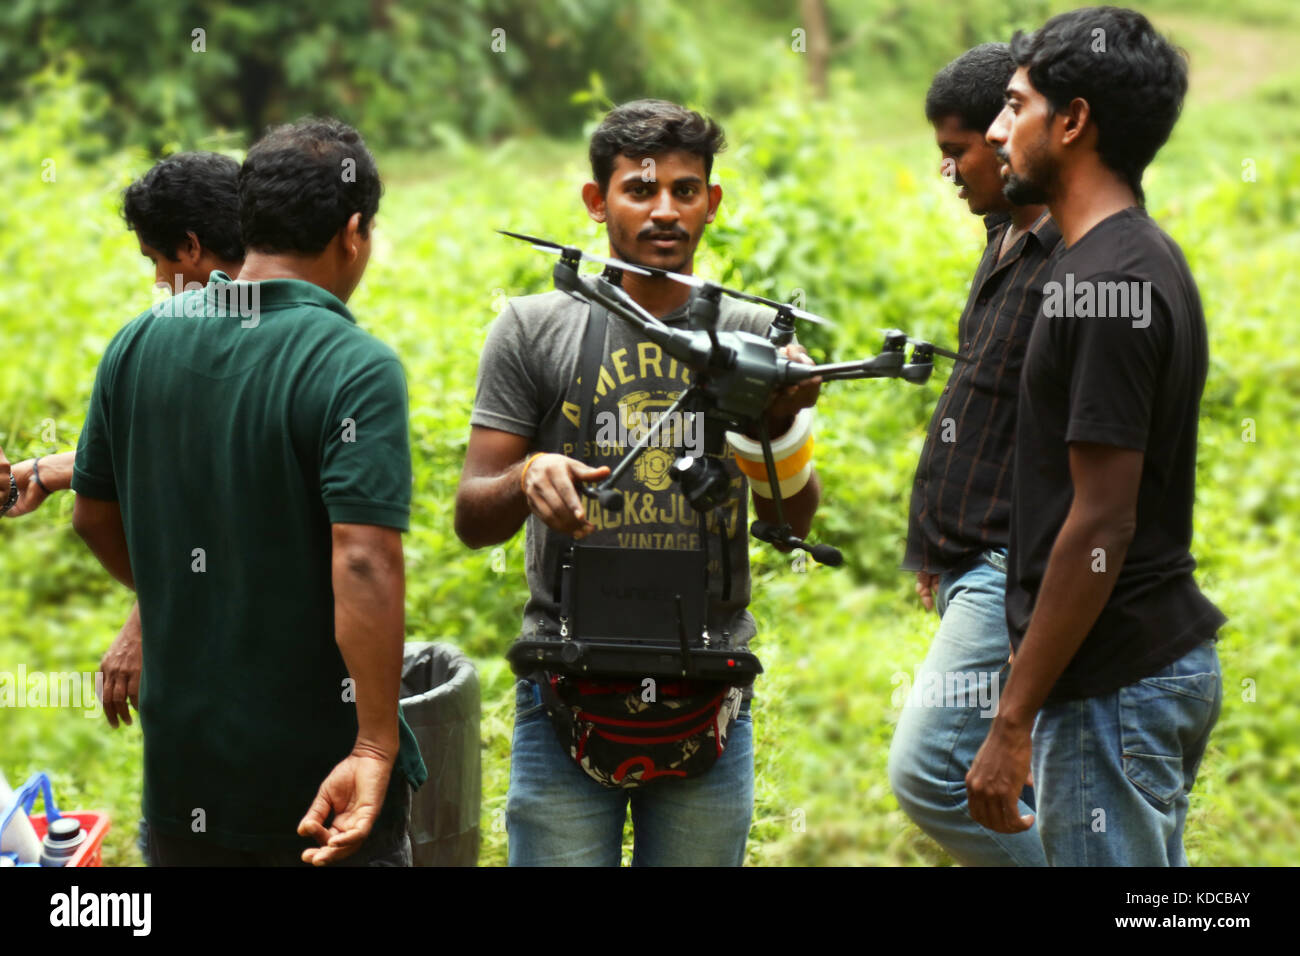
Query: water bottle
<point x="63" y="838"/>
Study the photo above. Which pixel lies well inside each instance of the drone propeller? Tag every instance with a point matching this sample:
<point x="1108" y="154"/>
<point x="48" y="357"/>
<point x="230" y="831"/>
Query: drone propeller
<point x="772" y="303"/>
<point x="545" y="245"/>
<point x="697" y="282"/>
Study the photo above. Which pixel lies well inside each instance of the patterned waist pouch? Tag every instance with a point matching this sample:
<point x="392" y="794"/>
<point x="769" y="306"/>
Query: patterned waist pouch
<point x="626" y="734"/>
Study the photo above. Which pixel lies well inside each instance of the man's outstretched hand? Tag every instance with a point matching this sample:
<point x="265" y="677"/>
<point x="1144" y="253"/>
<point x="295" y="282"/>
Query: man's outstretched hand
<point x="551" y="489"/>
<point x="30" y="494"/>
<point x="354" y="793"/>
<point x="56" y="475"/>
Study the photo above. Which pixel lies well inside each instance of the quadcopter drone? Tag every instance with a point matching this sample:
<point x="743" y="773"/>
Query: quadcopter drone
<point x="734" y="376"/>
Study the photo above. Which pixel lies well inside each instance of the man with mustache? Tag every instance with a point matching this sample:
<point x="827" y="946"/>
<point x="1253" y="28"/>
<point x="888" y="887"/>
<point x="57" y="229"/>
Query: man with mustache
<point x="651" y="162"/>
<point x="961" y="499"/>
<point x="1116" y="680"/>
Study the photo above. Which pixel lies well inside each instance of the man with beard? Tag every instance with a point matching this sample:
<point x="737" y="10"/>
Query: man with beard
<point x="651" y="162"/>
<point x="961" y="499"/>
<point x="1115" y="653"/>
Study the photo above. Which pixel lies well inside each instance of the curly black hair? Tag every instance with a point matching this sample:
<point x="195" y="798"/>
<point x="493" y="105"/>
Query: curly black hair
<point x="187" y="192"/>
<point x="647" y="127"/>
<point x="300" y="183"/>
<point x="1132" y="78"/>
<point x="972" y="87"/>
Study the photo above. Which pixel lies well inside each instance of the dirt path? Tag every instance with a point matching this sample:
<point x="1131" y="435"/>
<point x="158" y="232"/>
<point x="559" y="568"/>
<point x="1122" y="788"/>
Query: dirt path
<point x="1228" y="60"/>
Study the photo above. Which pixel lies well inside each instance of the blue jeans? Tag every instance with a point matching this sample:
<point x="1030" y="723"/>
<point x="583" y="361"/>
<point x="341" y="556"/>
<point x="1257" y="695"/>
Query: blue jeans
<point x="558" y="816"/>
<point x="948" y="714"/>
<point x="1114" y="772"/>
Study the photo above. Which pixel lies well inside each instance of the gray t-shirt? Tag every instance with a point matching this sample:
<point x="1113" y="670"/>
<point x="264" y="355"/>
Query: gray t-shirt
<point x="528" y="384"/>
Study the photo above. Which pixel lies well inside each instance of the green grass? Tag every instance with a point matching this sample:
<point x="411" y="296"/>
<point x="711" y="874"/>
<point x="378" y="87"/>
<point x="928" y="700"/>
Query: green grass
<point x="830" y="200"/>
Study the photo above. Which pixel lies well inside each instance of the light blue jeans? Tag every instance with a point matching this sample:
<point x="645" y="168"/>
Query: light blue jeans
<point x="947" y="717"/>
<point x="1114" y="772"/>
<point x="556" y="815"/>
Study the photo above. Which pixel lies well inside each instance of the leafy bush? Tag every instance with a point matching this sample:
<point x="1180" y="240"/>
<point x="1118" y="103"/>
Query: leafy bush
<point x="823" y="199"/>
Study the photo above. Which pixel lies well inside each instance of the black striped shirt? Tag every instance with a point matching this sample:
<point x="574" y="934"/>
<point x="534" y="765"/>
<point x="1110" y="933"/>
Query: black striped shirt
<point x="961" y="497"/>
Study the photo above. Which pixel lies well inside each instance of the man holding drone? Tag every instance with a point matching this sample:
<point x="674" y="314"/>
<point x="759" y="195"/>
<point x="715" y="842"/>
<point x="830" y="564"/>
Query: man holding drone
<point x="532" y="445"/>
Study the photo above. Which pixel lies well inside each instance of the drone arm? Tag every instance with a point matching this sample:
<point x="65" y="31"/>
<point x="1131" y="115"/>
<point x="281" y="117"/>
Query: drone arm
<point x="687" y="396"/>
<point x="612" y="297"/>
<point x="878" y="366"/>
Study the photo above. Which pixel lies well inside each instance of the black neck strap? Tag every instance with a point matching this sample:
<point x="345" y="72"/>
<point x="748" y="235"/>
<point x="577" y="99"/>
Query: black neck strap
<point x="593" y="348"/>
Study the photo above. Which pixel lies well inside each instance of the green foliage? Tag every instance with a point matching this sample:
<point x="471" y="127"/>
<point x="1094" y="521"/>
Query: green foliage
<point x="914" y="38"/>
<point x="409" y="72"/>
<point x="420" y="73"/>
<point x="414" y="73"/>
<point x="840" y="200"/>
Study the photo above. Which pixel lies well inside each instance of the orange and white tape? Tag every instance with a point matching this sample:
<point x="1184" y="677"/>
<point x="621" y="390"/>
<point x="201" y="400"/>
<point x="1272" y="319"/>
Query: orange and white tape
<point x="792" y="453"/>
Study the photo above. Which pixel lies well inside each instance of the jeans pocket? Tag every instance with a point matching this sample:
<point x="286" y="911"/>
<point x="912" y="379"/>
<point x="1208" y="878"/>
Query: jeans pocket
<point x="1160" y="719"/>
<point x="528" y="701"/>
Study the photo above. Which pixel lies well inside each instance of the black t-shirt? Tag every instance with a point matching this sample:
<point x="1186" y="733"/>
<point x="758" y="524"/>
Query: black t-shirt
<point x="1117" y="356"/>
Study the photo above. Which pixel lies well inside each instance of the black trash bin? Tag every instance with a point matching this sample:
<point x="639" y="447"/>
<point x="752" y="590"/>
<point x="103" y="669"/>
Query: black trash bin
<point x="440" y="698"/>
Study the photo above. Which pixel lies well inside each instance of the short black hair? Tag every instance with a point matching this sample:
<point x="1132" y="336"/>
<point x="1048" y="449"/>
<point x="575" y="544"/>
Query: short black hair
<point x="300" y="183"/>
<point x="187" y="192"/>
<point x="647" y="127"/>
<point x="972" y="87"/>
<point x="1134" y="88"/>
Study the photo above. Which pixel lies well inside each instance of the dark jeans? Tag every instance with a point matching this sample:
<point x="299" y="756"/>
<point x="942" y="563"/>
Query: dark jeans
<point x="386" y="846"/>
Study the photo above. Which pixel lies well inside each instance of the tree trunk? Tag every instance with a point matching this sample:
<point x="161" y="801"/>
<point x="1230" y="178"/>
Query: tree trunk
<point x="819" y="45"/>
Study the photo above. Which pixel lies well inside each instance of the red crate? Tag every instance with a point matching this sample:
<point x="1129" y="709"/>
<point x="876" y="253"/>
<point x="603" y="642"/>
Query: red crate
<point x="94" y="822"/>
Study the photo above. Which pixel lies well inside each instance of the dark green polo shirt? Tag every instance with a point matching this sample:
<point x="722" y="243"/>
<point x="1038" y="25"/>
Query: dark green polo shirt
<point x="234" y="425"/>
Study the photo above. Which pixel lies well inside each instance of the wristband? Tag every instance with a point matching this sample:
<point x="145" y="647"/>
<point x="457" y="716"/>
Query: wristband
<point x="531" y="458"/>
<point x="12" y="498"/>
<point x="791" y="453"/>
<point x="36" y="474"/>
